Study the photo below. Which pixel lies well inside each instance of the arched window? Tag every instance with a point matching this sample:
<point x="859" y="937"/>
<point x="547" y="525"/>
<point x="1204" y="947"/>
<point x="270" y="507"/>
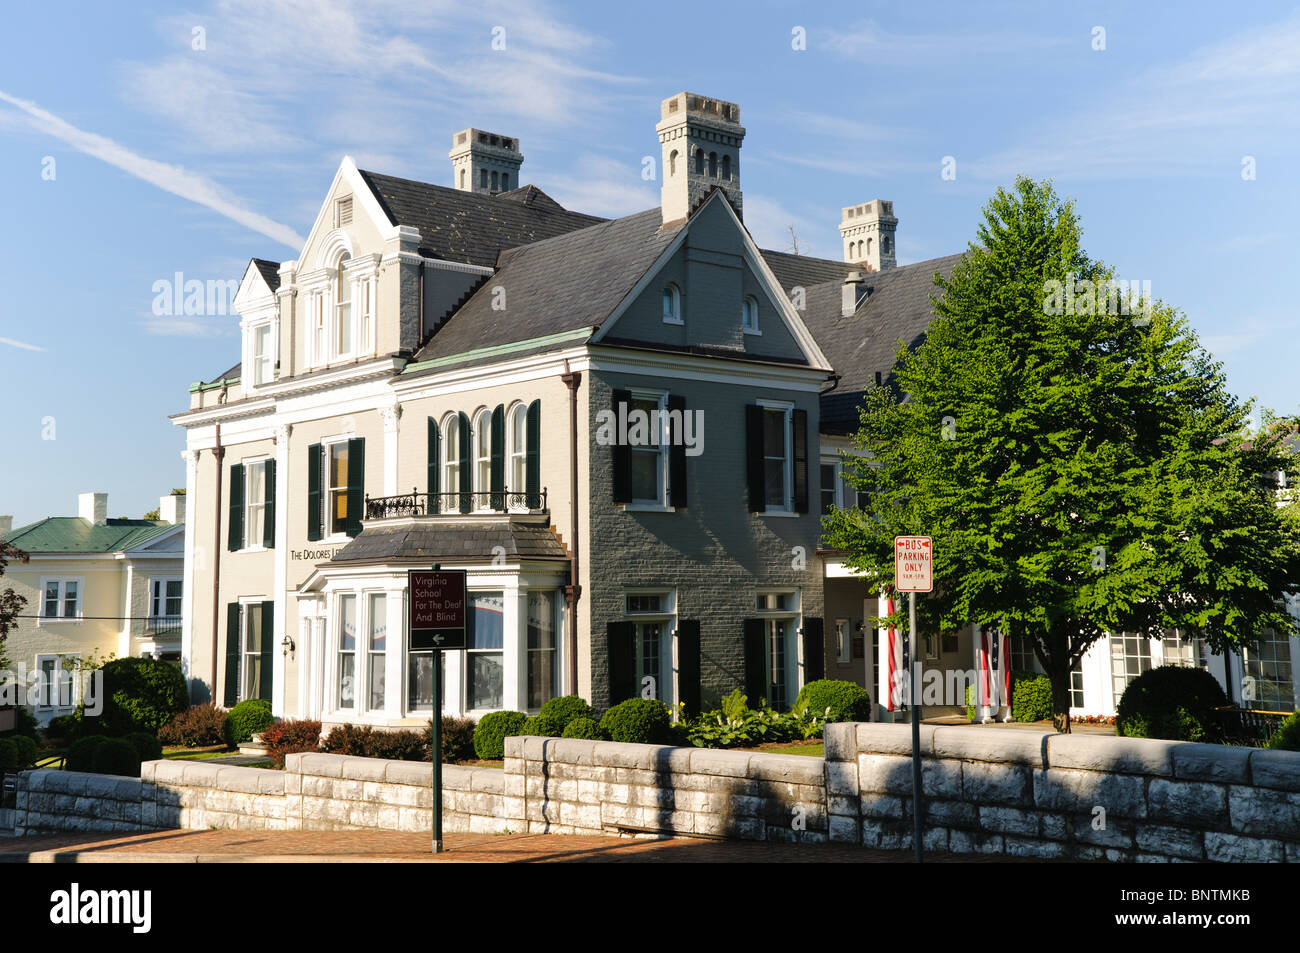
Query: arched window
<point x="749" y="313"/>
<point x="482" y="178"/>
<point x="451" y="462"/>
<point x="672" y="305"/>
<point x="868" y="252"/>
<point x="699" y="161"/>
<point x="726" y="168"/>
<point x="517" y="435"/>
<point x="505" y="181"/>
<point x="885" y="245"/>
<point x="713" y="165"/>
<point x="482" y="445"/>
<point x="462" y="179"/>
<point x="342" y="309"/>
<point x="494" y="182"/>
<point x="672" y="162"/>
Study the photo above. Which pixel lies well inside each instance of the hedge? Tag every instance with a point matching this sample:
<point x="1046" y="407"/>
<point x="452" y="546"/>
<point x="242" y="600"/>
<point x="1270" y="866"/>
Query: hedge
<point x="247" y="719"/>
<point x="82" y="752"/>
<point x="146" y="745"/>
<point x="638" y="721"/>
<point x="587" y="729"/>
<point x="1031" y="696"/>
<point x="558" y="712"/>
<point x="290" y="737"/>
<point x="839" y="700"/>
<point x="491" y="731"/>
<point x="1287" y="736"/>
<point x="116" y="756"/>
<point x="1171" y="702"/>
<point x="197" y="727"/>
<point x="141" y="694"/>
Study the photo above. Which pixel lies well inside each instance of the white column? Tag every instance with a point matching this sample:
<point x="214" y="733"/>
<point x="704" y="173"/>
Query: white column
<point x="453" y="664"/>
<point x="1219" y="668"/>
<point x="394" y="668"/>
<point x="191" y="458"/>
<point x="390" y="416"/>
<point x="514" y="615"/>
<point x="280" y="612"/>
<point x="124" y="636"/>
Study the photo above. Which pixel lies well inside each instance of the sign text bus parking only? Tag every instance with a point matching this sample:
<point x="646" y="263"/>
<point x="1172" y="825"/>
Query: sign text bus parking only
<point x="913" y="564"/>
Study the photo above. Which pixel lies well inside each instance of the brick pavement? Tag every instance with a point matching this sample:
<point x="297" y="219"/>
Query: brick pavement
<point x="387" y="846"/>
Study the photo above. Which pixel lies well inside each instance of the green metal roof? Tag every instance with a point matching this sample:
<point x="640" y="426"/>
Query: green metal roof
<point x="72" y="534"/>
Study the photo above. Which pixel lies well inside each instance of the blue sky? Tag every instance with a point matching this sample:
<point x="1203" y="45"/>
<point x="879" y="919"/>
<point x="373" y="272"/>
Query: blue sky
<point x="168" y="159"/>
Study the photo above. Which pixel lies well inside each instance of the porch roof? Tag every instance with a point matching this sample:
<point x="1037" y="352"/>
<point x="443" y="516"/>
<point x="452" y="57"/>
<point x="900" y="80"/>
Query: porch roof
<point x="438" y="538"/>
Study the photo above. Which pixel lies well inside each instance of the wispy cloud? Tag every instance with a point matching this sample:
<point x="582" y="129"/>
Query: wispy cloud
<point x="26" y="347"/>
<point x="184" y="327"/>
<point x="869" y="41"/>
<point x="171" y="178"/>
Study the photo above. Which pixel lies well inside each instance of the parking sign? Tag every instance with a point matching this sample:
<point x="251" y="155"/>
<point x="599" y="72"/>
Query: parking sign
<point x="913" y="564"/>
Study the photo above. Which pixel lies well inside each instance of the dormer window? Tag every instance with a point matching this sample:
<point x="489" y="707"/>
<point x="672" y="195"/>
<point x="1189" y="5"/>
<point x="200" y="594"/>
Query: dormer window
<point x="672" y="305"/>
<point x="263" y="355"/>
<point x="749" y="315"/>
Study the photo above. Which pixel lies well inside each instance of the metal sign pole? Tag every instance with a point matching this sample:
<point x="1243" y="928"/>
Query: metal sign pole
<point x="916" y="728"/>
<point x="436" y="753"/>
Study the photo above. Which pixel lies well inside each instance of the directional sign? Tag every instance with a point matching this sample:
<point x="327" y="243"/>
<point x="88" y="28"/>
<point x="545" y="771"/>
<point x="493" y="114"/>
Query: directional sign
<point x="913" y="564"/>
<point x="437" y="608"/>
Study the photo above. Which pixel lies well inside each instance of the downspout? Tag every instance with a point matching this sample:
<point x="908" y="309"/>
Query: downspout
<point x="573" y="590"/>
<point x="218" y="454"/>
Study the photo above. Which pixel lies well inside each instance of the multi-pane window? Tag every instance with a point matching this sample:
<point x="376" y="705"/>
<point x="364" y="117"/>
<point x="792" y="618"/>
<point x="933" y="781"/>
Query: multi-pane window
<point x="1022" y="653"/>
<point x="55" y="684"/>
<point x="1183" y="651"/>
<point x="776" y="458"/>
<point x="780" y="626"/>
<point x="376" y="648"/>
<point x="1268" y="674"/>
<point x="451" y="462"/>
<point x="1130" y="656"/>
<point x="256" y="629"/>
<point x="61" y="598"/>
<point x="543" y="642"/>
<point x="483" y="458"/>
<point x="347" y="652"/>
<point x="336" y="488"/>
<point x="254" y="502"/>
<point x="263" y="355"/>
<point x="342" y="311"/>
<point x="164" y="603"/>
<point x="1076" y="684"/>
<point x="651" y="614"/>
<point x="518" y="449"/>
<point x="828" y="487"/>
<point x="647" y="451"/>
<point x="484" y="641"/>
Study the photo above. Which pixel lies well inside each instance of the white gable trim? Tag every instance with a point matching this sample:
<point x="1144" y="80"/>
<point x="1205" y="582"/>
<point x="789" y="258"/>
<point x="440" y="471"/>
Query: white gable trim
<point x="362" y="197"/>
<point x="641" y="285"/>
<point x="254" y="293"/>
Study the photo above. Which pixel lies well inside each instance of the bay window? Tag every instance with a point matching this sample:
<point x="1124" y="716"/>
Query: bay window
<point x="346" y="661"/>
<point x="376" y="649"/>
<point x="543" y="643"/>
<point x="484" y="642"/>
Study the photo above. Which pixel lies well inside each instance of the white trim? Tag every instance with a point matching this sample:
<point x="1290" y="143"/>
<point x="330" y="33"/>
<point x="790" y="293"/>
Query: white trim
<point x="62" y="580"/>
<point x="678" y="240"/>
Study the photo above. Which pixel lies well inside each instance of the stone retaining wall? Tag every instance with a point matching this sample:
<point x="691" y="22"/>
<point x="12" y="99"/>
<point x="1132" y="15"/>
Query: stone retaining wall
<point x="1090" y="797"/>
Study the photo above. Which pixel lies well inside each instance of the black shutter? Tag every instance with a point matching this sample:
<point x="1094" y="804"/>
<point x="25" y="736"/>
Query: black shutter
<point x="756" y="686"/>
<point x="754" y="457"/>
<point x="356" y="484"/>
<point x="268" y="514"/>
<point x="434" y="472"/>
<point x="466" y="465"/>
<point x="620" y="637"/>
<point x="264" y="681"/>
<point x="498" y="458"/>
<point x="235" y="540"/>
<point x="232" y="655"/>
<point x="814" y="650"/>
<point x="677" y="452"/>
<point x="800" y="440"/>
<point x="622" y="453"/>
<point x="314" y="467"/>
<point x="688" y="664"/>
<point x="533" y="461"/>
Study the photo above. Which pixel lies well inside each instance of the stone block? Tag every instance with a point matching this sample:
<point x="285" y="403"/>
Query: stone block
<point x="1078" y="792"/>
<point x="941" y="778"/>
<point x="1275" y="769"/>
<point x="1020" y="847"/>
<point x="413" y="773"/>
<point x="793" y="768"/>
<point x="882" y="807"/>
<point x="727" y="764"/>
<point x="1118" y="832"/>
<point x="951" y="813"/>
<point x="456" y="777"/>
<point x="1197" y="762"/>
<point x="1173" y="841"/>
<point x="1200" y="803"/>
<point x="974" y="842"/>
<point x="841" y="776"/>
<point x="1008" y="820"/>
<point x="1144" y="756"/>
<point x="1234" y="848"/>
<point x="841" y="741"/>
<point x="885" y="773"/>
<point x="883" y="738"/>
<point x="1025" y="746"/>
<point x="487" y="780"/>
<point x="845" y="830"/>
<point x="1265" y="811"/>
<point x="321" y="765"/>
<point x="887" y="835"/>
<point x="169" y="772"/>
<point x="619" y="755"/>
<point x="364" y="769"/>
<point x="231" y="778"/>
<point x="571" y="750"/>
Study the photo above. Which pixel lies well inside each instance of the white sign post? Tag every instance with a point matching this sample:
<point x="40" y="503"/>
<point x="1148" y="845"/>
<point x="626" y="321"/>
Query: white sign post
<point x="913" y="573"/>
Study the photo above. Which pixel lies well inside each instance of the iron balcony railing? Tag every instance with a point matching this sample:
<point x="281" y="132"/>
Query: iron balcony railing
<point x="444" y="504"/>
<point x="157" y="627"/>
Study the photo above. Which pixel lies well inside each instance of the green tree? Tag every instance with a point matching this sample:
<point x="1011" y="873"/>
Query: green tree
<point x="1082" y="470"/>
<point x="11" y="603"/>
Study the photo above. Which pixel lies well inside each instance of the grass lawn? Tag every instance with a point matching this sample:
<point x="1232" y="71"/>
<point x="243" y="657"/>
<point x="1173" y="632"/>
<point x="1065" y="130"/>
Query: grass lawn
<point x="813" y="749"/>
<point x="189" y="754"/>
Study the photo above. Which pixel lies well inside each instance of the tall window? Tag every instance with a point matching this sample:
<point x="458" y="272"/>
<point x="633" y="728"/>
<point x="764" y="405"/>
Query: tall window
<point x="726" y="167"/>
<point x="254" y="502"/>
<point x="482" y="178"/>
<point x="164" y="603"/>
<point x="1076" y="684"/>
<point x="672" y="299"/>
<point x="713" y="165"/>
<point x="451" y="462"/>
<point x="484" y="640"/>
<point x="780" y="612"/>
<point x="347" y="652"/>
<point x="419" y="684"/>
<point x="61" y="598"/>
<point x="483" y="458"/>
<point x="652" y="617"/>
<point x="749" y="314"/>
<point x="699" y="161"/>
<point x="319" y="351"/>
<point x="505" y="181"/>
<point x="256" y="629"/>
<point x="828" y="487"/>
<point x="263" y="358"/>
<point x="365" y="316"/>
<point x="843" y="640"/>
<point x="648" y="453"/>
<point x="336" y="480"/>
<point x="342" y="311"/>
<point x="1268" y="671"/>
<point x="1183" y="651"/>
<point x="1130" y="656"/>
<point x="518" y="478"/>
<point x="543" y="641"/>
<point x="55" y="688"/>
<point x="376" y="648"/>
<point x="776" y="458"/>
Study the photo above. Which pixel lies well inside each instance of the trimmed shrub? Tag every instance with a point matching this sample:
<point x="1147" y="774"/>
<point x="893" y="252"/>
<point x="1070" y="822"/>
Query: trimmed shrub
<point x="247" y="719"/>
<point x="116" y="756"/>
<point x="491" y="731"/>
<point x="25" y="724"/>
<point x="531" y="728"/>
<point x="141" y="694"/>
<point x="146" y="745"/>
<point x="1171" y="702"/>
<point x="82" y="752"/>
<point x="1031" y="696"/>
<point x="1287" y="736"/>
<point x="8" y="756"/>
<point x="839" y="700"/>
<point x="26" y="751"/>
<point x="64" y="729"/>
<point x="197" y="727"/>
<point x="397" y="746"/>
<point x="353" y="740"/>
<point x="638" y="721"/>
<point x="290" y="737"/>
<point x="583" y="727"/>
<point x="558" y="712"/>
<point x="457" y="739"/>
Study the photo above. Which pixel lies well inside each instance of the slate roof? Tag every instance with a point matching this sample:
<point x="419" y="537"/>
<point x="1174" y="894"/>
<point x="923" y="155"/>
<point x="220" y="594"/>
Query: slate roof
<point x="72" y="534"/>
<point x="453" y="540"/>
<point x="896" y="308"/>
<point x="270" y="272"/>
<point x="469" y="227"/>
<point x="803" y="270"/>
<point x="560" y="284"/>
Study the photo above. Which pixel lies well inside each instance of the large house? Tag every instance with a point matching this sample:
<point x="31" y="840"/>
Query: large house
<point x="624" y="431"/>
<point x="96" y="588"/>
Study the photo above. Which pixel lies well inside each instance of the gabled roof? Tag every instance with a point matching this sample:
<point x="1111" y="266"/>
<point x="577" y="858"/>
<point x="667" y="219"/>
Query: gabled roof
<point x="270" y="272"/>
<point x="72" y="534"/>
<point x="804" y="271"/>
<point x="560" y="284"/>
<point x="470" y="227"/>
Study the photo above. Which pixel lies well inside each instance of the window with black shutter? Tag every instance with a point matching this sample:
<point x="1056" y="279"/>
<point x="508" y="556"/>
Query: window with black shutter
<point x="688" y="664"/>
<point x="620" y="451"/>
<point x="315" y="468"/>
<point x="235" y="541"/>
<point x="619" y="640"/>
<point x="677" y="451"/>
<point x="814" y="650"/>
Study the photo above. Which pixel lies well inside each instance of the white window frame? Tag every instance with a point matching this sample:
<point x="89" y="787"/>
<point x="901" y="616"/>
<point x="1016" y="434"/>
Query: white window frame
<point x="517" y="448"/>
<point x="253" y="544"/>
<point x="339" y="281"/>
<point x="449" y="440"/>
<point x="162" y="597"/>
<point x="364" y="319"/>
<point x="505" y="594"/>
<point x="61" y="669"/>
<point x="663" y="468"/>
<point x="557" y="594"/>
<point x="480" y="432"/>
<point x="327" y="490"/>
<point x="792" y="615"/>
<point x="62" y="583"/>
<point x="745" y="310"/>
<point x="337" y="652"/>
<point x="373" y="659"/>
<point x="245" y="619"/>
<point x="666" y="617"/>
<point x="676" y="299"/>
<point x="263" y="363"/>
<point x="787" y="508"/>
<point x="844" y="641"/>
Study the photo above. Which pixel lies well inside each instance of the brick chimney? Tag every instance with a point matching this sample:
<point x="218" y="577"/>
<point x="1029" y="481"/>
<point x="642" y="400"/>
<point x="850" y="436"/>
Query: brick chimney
<point x="93" y="507"/>
<point x="171" y="508"/>
<point x="6" y="524"/>
<point x="851" y="293"/>
<point x="868" y="233"/>
<point x="700" y="142"/>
